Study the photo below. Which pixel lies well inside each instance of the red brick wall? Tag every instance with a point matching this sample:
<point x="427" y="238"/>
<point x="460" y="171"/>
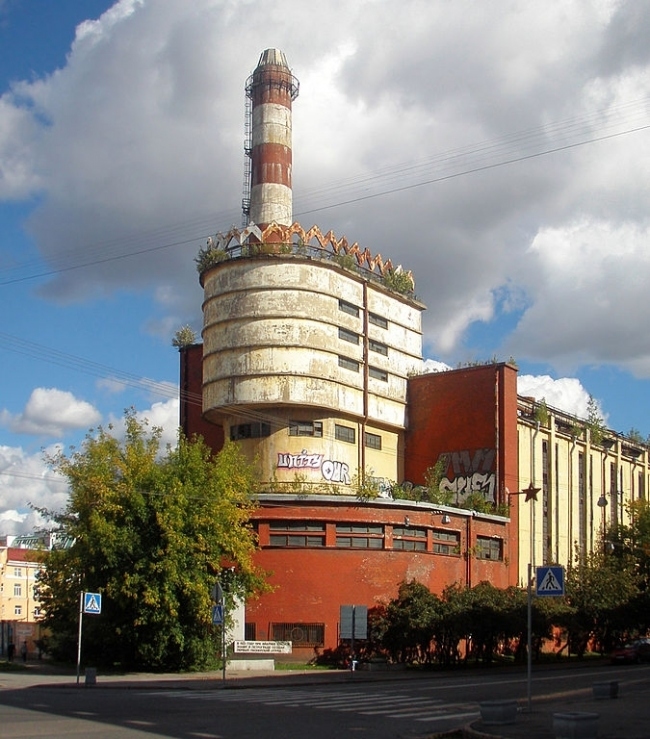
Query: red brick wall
<point x="310" y="584"/>
<point x="191" y="403"/>
<point x="470" y="416"/>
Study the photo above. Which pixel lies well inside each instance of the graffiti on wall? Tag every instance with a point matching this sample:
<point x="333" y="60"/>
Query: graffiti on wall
<point x="470" y="471"/>
<point x="330" y="469"/>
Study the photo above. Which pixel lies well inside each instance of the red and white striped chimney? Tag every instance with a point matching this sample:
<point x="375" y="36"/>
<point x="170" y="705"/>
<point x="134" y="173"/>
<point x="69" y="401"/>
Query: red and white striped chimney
<point x="272" y="88"/>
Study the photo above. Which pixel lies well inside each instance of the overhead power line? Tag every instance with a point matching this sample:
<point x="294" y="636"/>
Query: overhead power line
<point x="519" y="146"/>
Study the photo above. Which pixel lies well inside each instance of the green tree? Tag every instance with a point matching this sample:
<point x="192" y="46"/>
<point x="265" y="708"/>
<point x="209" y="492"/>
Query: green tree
<point x="151" y="531"/>
<point x="409" y="623"/>
<point x="599" y="590"/>
<point x="595" y="421"/>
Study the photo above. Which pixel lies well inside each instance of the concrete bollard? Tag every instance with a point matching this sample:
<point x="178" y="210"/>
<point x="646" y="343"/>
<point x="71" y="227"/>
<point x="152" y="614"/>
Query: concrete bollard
<point x="575" y="725"/>
<point x="605" y="690"/>
<point x="498" y="712"/>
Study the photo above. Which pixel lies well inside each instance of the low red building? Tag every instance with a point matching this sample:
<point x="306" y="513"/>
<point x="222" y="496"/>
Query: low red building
<point x="326" y="551"/>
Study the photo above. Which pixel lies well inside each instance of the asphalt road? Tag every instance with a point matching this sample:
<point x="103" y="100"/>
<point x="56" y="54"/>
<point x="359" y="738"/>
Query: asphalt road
<point x="314" y="706"/>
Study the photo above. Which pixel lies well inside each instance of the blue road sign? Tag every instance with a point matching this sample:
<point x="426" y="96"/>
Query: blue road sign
<point x="550" y="580"/>
<point x="217" y="614"/>
<point x="93" y="603"/>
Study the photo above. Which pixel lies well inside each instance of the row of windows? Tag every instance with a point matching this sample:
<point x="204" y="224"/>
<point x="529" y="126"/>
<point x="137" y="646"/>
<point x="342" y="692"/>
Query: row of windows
<point x="303" y="428"/>
<point x="354" y="366"/>
<point x="353" y="310"/>
<point x="353" y="338"/>
<point x="18" y="590"/>
<point x="373" y="536"/>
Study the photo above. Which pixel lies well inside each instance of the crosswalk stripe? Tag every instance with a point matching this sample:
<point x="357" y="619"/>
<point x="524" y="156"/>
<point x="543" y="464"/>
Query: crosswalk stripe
<point x="398" y="706"/>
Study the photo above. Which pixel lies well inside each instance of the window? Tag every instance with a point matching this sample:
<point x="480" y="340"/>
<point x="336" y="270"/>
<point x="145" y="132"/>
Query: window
<point x="377" y="346"/>
<point x="446" y="542"/>
<point x="378" y="374"/>
<point x="349" y="364"/>
<point x="250" y="631"/>
<point x="300" y="635"/>
<point x="306" y="428"/>
<point x="249" y="431"/>
<point x="18" y="591"/>
<point x="359" y="536"/>
<point x="18" y="610"/>
<point x="345" y="433"/>
<point x="377" y="320"/>
<point x="18" y="572"/>
<point x="372" y="441"/>
<point x="37" y="612"/>
<point x="409" y="539"/>
<point x="350" y="336"/>
<point x="297" y="534"/>
<point x="348" y="308"/>
<point x="489" y="548"/>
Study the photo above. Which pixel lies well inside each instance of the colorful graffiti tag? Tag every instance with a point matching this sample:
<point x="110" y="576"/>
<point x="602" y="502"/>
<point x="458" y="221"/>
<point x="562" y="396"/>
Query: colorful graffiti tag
<point x="468" y="472"/>
<point x="331" y="470"/>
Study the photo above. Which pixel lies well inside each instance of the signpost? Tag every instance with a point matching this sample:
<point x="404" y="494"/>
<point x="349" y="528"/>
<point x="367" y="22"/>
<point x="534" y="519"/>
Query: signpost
<point x="219" y="619"/>
<point x="549" y="581"/>
<point x="90" y="603"/>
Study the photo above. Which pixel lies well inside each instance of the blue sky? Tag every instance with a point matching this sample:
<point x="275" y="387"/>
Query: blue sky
<point x="501" y="155"/>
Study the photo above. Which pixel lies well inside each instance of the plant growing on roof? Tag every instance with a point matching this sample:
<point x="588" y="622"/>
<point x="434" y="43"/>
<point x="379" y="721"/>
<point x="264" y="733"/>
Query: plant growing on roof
<point x="209" y="257"/>
<point x="185" y="336"/>
<point x="399" y="281"/>
<point x="595" y="421"/>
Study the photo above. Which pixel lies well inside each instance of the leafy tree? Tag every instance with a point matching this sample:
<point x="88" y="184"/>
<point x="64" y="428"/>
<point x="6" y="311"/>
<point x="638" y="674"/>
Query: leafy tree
<point x="152" y="532"/>
<point x="599" y="590"/>
<point x="595" y="421"/>
<point x="409" y="623"/>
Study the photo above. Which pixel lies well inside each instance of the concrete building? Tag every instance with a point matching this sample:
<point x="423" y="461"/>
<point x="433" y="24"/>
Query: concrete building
<point x="19" y="603"/>
<point x="311" y="362"/>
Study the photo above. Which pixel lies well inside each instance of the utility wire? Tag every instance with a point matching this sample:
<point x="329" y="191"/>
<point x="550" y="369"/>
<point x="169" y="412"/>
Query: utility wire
<point x="472" y="159"/>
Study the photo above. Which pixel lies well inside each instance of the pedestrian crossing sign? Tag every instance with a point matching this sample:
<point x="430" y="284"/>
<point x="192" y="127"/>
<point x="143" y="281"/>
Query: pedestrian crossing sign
<point x="93" y="603"/>
<point x="550" y="580"/>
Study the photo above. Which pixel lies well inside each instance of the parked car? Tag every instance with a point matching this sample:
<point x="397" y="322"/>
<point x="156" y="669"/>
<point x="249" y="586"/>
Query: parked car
<point x="632" y="652"/>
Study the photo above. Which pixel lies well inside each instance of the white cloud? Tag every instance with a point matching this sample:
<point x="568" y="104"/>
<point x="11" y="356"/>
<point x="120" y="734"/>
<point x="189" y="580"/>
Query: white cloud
<point x="588" y="282"/>
<point x="27" y="482"/>
<point x="433" y="365"/>
<point x="125" y="140"/>
<point x="566" y="393"/>
<point x="51" y="412"/>
<point x="163" y="415"/>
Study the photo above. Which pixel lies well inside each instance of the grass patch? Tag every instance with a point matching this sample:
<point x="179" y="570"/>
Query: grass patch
<point x="6" y="666"/>
<point x="300" y="666"/>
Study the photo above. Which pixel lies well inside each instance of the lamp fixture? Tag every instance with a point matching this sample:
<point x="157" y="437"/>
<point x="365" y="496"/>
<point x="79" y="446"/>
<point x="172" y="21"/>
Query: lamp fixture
<point x="446" y="518"/>
<point x="602" y="501"/>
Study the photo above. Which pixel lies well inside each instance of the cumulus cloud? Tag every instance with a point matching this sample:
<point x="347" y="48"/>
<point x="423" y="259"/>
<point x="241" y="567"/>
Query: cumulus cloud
<point x="124" y="141"/>
<point x="163" y="415"/>
<point x="26" y="483"/>
<point x="51" y="412"/>
<point x="498" y="153"/>
<point x="566" y="393"/>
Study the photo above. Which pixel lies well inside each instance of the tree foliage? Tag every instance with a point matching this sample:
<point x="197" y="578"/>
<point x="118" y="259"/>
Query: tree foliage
<point x="152" y="531"/>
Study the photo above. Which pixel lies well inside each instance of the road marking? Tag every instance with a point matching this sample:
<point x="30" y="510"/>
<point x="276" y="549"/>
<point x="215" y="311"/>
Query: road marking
<point x="397" y="705"/>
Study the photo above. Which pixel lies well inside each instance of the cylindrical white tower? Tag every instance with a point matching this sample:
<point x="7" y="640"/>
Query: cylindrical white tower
<point x="271" y="88"/>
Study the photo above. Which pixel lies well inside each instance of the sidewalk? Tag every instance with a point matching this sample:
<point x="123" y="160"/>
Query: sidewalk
<point x="624" y="717"/>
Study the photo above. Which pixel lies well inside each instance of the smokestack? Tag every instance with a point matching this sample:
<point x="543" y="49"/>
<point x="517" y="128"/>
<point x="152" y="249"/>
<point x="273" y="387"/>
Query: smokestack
<point x="271" y="89"/>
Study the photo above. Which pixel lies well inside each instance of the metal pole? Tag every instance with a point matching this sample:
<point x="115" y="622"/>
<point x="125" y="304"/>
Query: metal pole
<point x="530" y="636"/>
<point x="223" y="639"/>
<point x="352" y="665"/>
<point x="81" y="611"/>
